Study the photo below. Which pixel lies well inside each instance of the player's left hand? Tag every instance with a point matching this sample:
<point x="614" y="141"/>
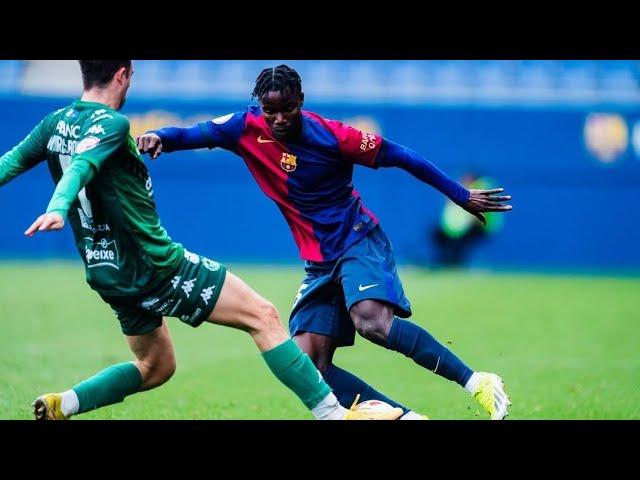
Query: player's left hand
<point x="486" y="201"/>
<point x="46" y="222"/>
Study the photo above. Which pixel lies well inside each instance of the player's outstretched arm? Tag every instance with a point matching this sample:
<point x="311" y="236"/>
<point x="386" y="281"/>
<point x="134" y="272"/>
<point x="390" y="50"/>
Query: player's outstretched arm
<point x="474" y="201"/>
<point x="170" y="139"/>
<point x="85" y="165"/>
<point x="486" y="201"/>
<point x="74" y="179"/>
<point x="46" y="222"/>
<point x="149" y="143"/>
<point x="223" y="132"/>
<point x="24" y="156"/>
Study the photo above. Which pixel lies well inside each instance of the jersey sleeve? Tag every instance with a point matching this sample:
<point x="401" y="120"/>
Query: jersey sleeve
<point x="223" y="132"/>
<point x="355" y="145"/>
<point x="26" y="155"/>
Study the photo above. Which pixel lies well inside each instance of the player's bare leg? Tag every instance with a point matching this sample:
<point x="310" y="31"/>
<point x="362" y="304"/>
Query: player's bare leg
<point x="239" y="306"/>
<point x="155" y="364"/>
<point x="155" y="357"/>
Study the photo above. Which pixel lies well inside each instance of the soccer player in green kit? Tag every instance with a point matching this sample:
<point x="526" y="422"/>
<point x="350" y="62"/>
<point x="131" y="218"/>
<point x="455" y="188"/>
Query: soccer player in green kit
<point x="104" y="191"/>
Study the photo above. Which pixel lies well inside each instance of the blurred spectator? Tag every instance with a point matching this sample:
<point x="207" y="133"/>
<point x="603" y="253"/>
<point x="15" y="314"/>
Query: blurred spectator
<point x="458" y="231"/>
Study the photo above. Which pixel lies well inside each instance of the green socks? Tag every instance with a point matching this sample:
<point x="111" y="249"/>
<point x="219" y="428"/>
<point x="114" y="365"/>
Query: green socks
<point x="295" y="369"/>
<point x="109" y="386"/>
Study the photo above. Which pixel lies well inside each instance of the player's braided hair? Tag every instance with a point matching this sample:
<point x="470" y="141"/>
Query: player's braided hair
<point x="277" y="79"/>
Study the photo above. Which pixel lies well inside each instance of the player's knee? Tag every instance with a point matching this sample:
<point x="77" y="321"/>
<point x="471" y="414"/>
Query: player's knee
<point x="371" y="331"/>
<point x="372" y="321"/>
<point x="158" y="370"/>
<point x="266" y="317"/>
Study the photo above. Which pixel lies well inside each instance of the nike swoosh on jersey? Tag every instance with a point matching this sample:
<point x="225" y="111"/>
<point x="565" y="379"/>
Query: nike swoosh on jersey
<point x="264" y="140"/>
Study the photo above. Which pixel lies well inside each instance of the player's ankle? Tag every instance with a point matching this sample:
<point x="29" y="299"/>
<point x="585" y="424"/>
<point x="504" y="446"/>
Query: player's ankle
<point x="411" y="415"/>
<point x="329" y="409"/>
<point x="472" y="384"/>
<point x="69" y="404"/>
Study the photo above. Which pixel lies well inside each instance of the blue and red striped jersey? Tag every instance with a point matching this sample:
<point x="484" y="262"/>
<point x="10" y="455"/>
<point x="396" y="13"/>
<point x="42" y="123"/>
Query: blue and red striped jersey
<point x="310" y="179"/>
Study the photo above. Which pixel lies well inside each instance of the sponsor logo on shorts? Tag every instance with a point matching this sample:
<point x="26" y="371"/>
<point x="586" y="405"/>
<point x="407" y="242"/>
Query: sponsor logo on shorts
<point x="195" y="316"/>
<point x="164" y="308"/>
<point x="210" y="264"/>
<point x="192" y="257"/>
<point x="150" y="302"/>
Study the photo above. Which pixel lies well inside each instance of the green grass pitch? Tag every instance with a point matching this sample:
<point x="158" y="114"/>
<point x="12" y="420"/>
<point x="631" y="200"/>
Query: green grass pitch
<point x="566" y="346"/>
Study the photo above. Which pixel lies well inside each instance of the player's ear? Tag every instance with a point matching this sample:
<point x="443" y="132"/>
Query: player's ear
<point x="121" y="74"/>
<point x="301" y="99"/>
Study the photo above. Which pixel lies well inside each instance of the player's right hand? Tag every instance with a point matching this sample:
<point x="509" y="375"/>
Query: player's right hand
<point x="46" y="222"/>
<point x="149" y="143"/>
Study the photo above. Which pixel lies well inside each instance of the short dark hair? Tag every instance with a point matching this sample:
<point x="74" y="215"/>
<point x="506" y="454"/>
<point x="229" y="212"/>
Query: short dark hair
<point x="98" y="73"/>
<point x="277" y="79"/>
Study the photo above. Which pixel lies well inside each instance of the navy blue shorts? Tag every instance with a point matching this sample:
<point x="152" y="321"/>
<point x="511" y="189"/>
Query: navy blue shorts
<point x="366" y="271"/>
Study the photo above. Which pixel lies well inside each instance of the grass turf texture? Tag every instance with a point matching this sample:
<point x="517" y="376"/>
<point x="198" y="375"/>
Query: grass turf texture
<point x="566" y="346"/>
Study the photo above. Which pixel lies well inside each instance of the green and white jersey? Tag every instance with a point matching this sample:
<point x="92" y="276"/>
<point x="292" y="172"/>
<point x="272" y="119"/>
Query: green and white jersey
<point x="104" y="190"/>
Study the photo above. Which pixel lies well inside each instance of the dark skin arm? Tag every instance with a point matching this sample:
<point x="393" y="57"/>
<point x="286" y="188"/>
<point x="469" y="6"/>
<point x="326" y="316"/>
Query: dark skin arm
<point x="486" y="201"/>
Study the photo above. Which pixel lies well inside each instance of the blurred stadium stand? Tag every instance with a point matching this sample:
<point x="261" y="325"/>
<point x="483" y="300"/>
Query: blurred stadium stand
<point x="484" y="82"/>
<point x="563" y="136"/>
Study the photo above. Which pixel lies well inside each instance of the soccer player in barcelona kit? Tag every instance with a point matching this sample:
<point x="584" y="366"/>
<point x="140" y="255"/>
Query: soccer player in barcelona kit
<point x="304" y="163"/>
<point x="104" y="191"/>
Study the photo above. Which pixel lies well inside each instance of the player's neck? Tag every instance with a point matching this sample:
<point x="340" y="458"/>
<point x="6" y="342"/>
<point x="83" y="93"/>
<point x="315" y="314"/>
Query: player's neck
<point x="104" y="96"/>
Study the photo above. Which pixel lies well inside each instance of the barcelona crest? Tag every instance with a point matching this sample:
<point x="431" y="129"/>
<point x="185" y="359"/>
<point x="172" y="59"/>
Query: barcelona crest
<point x="288" y="162"/>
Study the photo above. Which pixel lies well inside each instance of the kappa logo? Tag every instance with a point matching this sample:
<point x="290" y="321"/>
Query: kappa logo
<point x="176" y="281"/>
<point x="265" y="140"/>
<point x="207" y="293"/>
<point x="288" y="162"/>
<point x="188" y="286"/>
<point x="96" y="130"/>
